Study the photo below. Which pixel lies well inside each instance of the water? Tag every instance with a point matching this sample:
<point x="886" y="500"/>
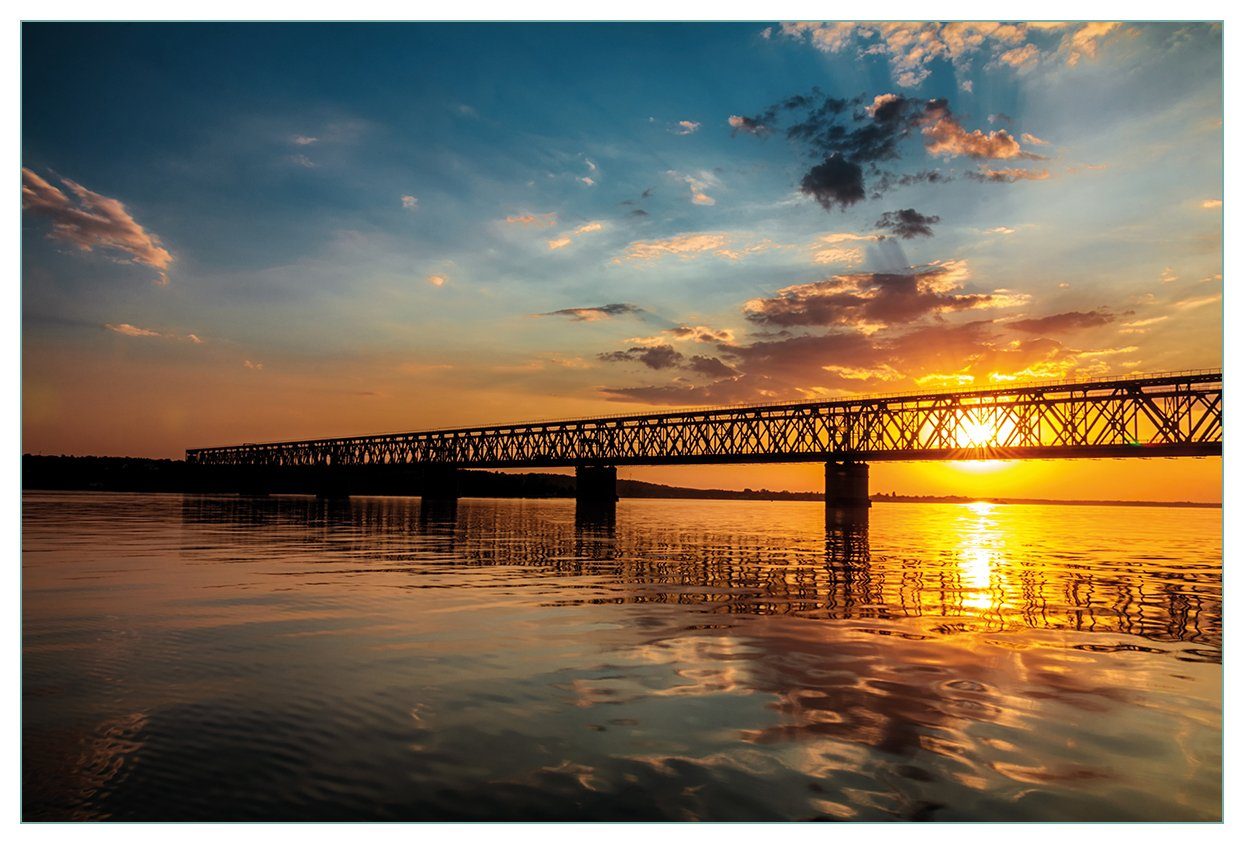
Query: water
<point x="225" y="658"/>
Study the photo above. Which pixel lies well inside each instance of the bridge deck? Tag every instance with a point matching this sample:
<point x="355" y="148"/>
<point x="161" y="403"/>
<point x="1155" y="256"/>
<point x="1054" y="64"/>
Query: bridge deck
<point x="1166" y="415"/>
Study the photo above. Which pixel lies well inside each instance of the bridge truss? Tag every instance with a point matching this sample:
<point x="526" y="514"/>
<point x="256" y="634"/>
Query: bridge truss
<point x="1167" y="415"/>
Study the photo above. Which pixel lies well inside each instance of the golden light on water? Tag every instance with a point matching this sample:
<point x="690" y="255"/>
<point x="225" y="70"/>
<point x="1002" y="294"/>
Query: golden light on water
<point x="979" y="559"/>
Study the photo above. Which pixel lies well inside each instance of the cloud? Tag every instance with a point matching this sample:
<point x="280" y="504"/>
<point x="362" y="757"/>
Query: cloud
<point x="946" y="137"/>
<point x="842" y="362"/>
<point x="1082" y="42"/>
<point x="829" y="248"/>
<point x="686" y="127"/>
<point x="834" y="182"/>
<point x="1212" y="203"/>
<point x="1168" y="275"/>
<point x="1030" y="138"/>
<point x="124" y="328"/>
<point x="710" y="367"/>
<point x="1140" y="326"/>
<point x="663" y="357"/>
<point x="653" y="357"/>
<point x="699" y="184"/>
<point x="537" y="220"/>
<point x="1021" y="58"/>
<point x="1064" y="322"/>
<point x="1000" y="230"/>
<point x="410" y="202"/>
<point x="851" y="138"/>
<point x="1008" y="174"/>
<point x="686" y="333"/>
<point x="250" y="364"/>
<point x="871" y="301"/>
<point x="912" y="47"/>
<point x="303" y="140"/>
<point x="751" y="126"/>
<point x="132" y="330"/>
<point x="682" y="245"/>
<point x="90" y="221"/>
<point x="565" y="239"/>
<point x="303" y="161"/>
<point x="598" y="312"/>
<point x="1197" y="302"/>
<point x="437" y="280"/>
<point x="908" y="223"/>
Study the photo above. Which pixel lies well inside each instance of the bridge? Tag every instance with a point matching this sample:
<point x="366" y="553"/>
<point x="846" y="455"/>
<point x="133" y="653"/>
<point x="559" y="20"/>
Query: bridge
<point x="1177" y="414"/>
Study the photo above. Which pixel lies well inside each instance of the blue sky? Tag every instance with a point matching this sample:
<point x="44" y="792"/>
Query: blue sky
<point x="346" y="228"/>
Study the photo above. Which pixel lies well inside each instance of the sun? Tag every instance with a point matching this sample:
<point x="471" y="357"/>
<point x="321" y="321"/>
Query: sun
<point x="974" y="433"/>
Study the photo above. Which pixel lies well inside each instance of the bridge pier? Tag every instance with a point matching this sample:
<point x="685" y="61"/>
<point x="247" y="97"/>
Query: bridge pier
<point x="440" y="482"/>
<point x="595" y="484"/>
<point x="846" y="485"/>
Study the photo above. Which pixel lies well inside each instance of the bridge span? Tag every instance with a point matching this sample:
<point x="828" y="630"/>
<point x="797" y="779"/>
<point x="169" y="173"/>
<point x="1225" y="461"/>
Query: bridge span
<point x="1160" y="415"/>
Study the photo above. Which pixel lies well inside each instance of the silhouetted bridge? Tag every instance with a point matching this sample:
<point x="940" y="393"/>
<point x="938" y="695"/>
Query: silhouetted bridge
<point x="1162" y="415"/>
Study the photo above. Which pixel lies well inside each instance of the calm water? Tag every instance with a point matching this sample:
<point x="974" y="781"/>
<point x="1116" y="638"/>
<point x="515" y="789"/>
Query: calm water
<point x="224" y="658"/>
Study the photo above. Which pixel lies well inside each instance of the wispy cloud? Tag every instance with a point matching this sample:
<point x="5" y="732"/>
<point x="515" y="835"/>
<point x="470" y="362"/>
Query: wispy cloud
<point x="686" y="127"/>
<point x="566" y="238"/>
<point x="90" y="221"/>
<point x="536" y="220"/>
<point x="127" y="330"/>
<point x="410" y="202"/>
<point x="596" y="313"/>
<point x="1008" y="174"/>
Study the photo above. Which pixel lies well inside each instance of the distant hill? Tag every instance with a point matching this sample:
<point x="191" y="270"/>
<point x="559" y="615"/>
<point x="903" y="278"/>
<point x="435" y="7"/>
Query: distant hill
<point x="141" y="474"/>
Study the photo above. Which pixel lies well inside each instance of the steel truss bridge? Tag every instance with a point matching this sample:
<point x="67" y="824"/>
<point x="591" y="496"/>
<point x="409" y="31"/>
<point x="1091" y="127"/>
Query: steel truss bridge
<point x="1161" y="415"/>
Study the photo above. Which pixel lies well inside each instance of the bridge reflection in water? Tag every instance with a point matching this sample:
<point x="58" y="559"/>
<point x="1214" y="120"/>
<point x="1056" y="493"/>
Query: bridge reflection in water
<point x="980" y="573"/>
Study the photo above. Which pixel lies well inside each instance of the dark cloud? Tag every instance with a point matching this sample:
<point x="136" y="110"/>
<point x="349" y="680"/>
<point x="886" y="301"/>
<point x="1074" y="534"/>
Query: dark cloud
<point x="1061" y="323"/>
<point x="639" y="212"/>
<point x="699" y="333"/>
<point x="835" y="181"/>
<point x="885" y="181"/>
<point x="653" y="357"/>
<point x="843" y="361"/>
<point x="847" y="136"/>
<point x="908" y="223"/>
<point x="872" y="299"/>
<point x="598" y="312"/>
<point x="710" y="367"/>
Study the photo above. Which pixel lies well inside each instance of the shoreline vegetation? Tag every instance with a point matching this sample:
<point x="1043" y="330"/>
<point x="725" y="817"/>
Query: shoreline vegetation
<point x="140" y="474"/>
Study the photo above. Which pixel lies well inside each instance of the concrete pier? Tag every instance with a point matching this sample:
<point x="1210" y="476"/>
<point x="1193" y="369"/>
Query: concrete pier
<point x="596" y="484"/>
<point x="846" y="485"/>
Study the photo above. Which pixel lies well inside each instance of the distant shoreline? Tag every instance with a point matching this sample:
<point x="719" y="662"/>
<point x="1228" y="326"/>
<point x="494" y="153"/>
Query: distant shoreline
<point x="135" y="474"/>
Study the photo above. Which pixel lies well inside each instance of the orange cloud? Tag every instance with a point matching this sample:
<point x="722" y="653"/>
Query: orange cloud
<point x="91" y="221"/>
<point x="538" y="220"/>
<point x="945" y="136"/>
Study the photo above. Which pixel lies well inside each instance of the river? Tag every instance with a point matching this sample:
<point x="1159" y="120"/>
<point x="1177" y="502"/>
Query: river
<point x="222" y="658"/>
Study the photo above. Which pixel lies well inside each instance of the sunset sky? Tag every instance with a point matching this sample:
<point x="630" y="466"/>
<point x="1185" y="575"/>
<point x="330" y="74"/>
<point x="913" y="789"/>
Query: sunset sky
<point x="254" y="232"/>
